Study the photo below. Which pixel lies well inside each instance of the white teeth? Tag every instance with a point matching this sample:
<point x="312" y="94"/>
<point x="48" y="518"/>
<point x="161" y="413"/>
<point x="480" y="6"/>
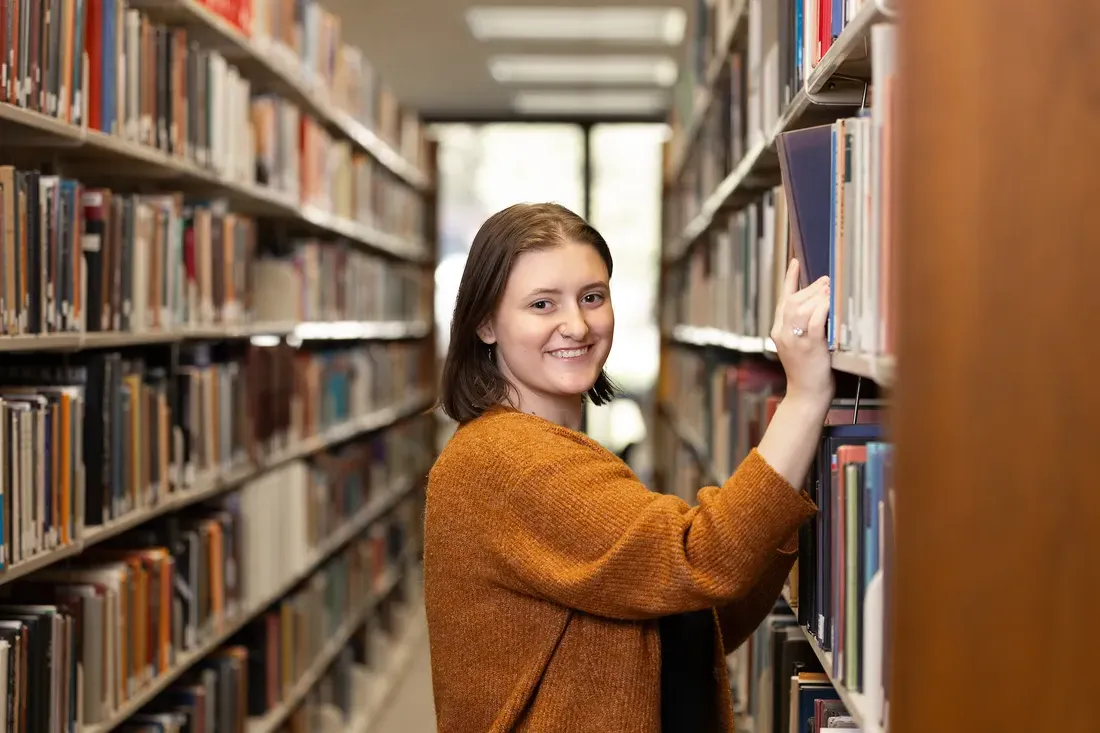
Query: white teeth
<point x="570" y="353"/>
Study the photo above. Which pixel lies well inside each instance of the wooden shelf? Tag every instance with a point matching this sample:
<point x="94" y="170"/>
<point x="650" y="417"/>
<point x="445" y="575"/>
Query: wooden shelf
<point x="690" y="131"/>
<point x="210" y="486"/>
<point x="758" y="168"/>
<point x="370" y="513"/>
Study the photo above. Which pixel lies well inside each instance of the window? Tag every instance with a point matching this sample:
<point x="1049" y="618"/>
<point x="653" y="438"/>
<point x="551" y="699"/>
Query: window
<point x="484" y="168"/>
<point x="626" y="163"/>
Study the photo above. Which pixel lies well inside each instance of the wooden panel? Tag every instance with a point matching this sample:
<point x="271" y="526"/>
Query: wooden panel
<point x="998" y="399"/>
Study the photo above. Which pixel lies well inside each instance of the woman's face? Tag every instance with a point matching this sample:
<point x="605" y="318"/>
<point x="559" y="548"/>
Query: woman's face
<point x="555" y="324"/>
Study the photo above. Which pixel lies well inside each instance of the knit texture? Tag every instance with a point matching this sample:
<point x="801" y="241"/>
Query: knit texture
<point x="547" y="564"/>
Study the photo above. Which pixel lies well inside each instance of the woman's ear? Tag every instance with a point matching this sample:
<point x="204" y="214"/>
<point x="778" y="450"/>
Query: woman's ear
<point x="486" y="334"/>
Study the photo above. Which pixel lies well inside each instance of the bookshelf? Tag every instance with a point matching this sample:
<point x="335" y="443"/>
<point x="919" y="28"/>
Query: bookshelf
<point x="216" y="296"/>
<point x="979" y="507"/>
<point x="762" y="72"/>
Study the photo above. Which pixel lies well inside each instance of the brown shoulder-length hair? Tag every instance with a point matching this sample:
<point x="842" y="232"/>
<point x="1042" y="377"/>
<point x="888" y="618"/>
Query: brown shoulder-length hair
<point x="472" y="382"/>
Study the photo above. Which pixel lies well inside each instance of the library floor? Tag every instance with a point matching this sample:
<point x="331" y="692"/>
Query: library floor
<point x="411" y="709"/>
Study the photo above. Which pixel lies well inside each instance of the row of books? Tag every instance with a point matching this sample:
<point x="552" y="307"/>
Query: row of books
<point x="352" y="690"/>
<point x="711" y="29"/>
<point x="84" y="259"/>
<point x="678" y="468"/>
<point x="148" y="83"/>
<point x="109" y="435"/>
<point x="853" y="159"/>
<point x="733" y="278"/>
<point x="846" y="553"/>
<point x="88" y="259"/>
<point x="222" y="694"/>
<point x="323" y="281"/>
<point x="292" y="509"/>
<point x="779" y="686"/>
<point x="837" y="585"/>
<point x="832" y="213"/>
<point x="722" y="409"/>
<point x="307" y="38"/>
<point x="298" y="156"/>
<point x="758" y="81"/>
<point x="78" y="642"/>
<point x="684" y="461"/>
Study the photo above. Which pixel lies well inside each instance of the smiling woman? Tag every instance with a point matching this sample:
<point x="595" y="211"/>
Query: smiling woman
<point x="533" y="322"/>
<point x="550" y="570"/>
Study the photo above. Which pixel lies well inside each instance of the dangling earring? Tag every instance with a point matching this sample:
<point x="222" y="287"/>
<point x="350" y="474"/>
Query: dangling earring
<point x="489" y="352"/>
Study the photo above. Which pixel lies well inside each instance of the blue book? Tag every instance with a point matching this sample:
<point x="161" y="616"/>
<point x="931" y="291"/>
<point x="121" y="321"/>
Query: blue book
<point x="806" y="166"/>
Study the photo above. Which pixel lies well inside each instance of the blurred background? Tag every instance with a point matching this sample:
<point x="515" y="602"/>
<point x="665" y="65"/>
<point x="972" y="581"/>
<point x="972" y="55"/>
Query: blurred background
<point x="556" y="102"/>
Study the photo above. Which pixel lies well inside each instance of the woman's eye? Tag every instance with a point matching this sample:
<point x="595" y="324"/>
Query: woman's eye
<point x="541" y="304"/>
<point x="593" y="298"/>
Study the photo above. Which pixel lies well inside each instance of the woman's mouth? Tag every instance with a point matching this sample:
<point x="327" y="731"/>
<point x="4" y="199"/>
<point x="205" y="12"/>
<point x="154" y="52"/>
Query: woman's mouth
<point x="567" y="354"/>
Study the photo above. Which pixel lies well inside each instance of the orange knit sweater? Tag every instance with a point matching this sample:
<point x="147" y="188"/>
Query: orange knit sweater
<point x="547" y="563"/>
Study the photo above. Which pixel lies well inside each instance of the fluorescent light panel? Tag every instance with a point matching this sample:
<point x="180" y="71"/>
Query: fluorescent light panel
<point x="590" y="102"/>
<point x="594" y="69"/>
<point x="598" y="23"/>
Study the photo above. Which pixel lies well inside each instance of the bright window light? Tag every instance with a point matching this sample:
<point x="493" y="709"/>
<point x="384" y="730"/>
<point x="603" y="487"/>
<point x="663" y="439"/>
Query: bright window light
<point x="594" y="69"/>
<point x="590" y="102"/>
<point x="598" y="23"/>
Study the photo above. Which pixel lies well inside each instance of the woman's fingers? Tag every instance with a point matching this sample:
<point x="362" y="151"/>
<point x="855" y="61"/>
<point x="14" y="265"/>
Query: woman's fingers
<point x="797" y="307"/>
<point x="819" y="316"/>
<point x="810" y="290"/>
<point x="790" y="283"/>
<point x="810" y="315"/>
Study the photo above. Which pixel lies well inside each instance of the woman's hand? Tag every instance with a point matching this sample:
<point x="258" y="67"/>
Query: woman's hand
<point x="791" y="439"/>
<point x="799" y="335"/>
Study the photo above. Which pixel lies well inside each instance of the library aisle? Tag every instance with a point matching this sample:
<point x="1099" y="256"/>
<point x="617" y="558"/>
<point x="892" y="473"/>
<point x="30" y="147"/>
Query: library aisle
<point x="229" y="230"/>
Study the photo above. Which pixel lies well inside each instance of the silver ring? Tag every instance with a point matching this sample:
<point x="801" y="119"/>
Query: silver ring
<point x="797" y="331"/>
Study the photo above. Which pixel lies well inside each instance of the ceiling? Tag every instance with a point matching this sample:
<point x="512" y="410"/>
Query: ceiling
<point x="425" y="51"/>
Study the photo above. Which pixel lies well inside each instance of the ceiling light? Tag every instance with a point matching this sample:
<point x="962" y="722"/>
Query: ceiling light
<point x="600" y="23"/>
<point x="595" y="69"/>
<point x="589" y="102"/>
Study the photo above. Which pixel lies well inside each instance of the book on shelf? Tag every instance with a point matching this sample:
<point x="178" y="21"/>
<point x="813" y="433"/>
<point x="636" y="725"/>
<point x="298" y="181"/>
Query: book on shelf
<point x="110" y="435"/>
<point x="807" y="159"/>
<point x="80" y="643"/>
<point x="837" y="191"/>
<point x="150" y="85"/>
<point x="311" y="280"/>
<point x="759" y="77"/>
<point x="837" y="583"/>
<point x="777" y="680"/>
<point x="831" y="212"/>
<point x="140" y="77"/>
<point x="81" y="259"/>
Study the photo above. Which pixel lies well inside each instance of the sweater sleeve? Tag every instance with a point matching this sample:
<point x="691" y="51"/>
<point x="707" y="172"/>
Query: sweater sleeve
<point x="740" y="618"/>
<point x="577" y="527"/>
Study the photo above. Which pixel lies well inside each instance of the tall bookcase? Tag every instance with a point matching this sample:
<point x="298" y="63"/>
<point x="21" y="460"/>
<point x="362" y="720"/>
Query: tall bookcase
<point x="977" y="260"/>
<point x="216" y="253"/>
<point x="761" y="69"/>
